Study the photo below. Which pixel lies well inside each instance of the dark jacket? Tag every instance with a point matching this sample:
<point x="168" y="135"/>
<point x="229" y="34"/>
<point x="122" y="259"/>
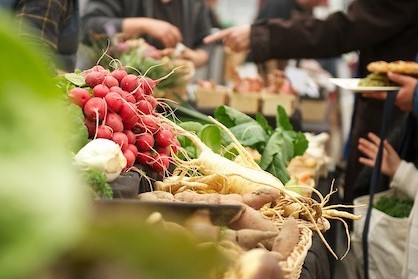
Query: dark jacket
<point x="283" y="9"/>
<point x="379" y="29"/>
<point x="196" y="23"/>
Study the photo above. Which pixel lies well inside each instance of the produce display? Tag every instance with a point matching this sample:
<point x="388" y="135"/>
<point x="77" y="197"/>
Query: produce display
<point x="214" y="163"/>
<point x="276" y="83"/>
<point x="107" y="123"/>
<point x="119" y="107"/>
<point x="145" y="59"/>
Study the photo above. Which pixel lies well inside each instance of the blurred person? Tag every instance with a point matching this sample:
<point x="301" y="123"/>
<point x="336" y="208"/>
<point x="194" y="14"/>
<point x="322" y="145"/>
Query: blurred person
<point x="55" y="25"/>
<point x="399" y="162"/>
<point x="401" y="137"/>
<point x="214" y="18"/>
<point x="163" y="23"/>
<point x="286" y="10"/>
<point x="379" y="29"/>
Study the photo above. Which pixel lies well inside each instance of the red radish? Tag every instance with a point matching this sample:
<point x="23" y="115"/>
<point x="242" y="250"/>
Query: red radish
<point x="130" y="123"/>
<point x="129" y="83"/>
<point x="145" y="107"/>
<point x="128" y="97"/>
<point x="100" y="90"/>
<point x="114" y="101"/>
<point x="95" y="108"/>
<point x="79" y="96"/>
<point x="91" y="127"/>
<point x="121" y="139"/>
<point x="148" y="123"/>
<point x="144" y="158"/>
<point x="144" y="142"/>
<point x="139" y="94"/>
<point x="127" y="111"/>
<point x="163" y="150"/>
<point x="116" y="89"/>
<point x="114" y="121"/>
<point x="133" y="148"/>
<point x="119" y="74"/>
<point x="160" y="163"/>
<point x="110" y="81"/>
<point x="98" y="68"/>
<point x="104" y="132"/>
<point x="94" y="78"/>
<point x="152" y="101"/>
<point x="131" y="136"/>
<point x="148" y="85"/>
<point x="164" y="137"/>
<point x="130" y="158"/>
<point x="175" y="145"/>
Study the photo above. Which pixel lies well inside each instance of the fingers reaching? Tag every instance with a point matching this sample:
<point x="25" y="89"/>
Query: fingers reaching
<point x="215" y="37"/>
<point x="368" y="148"/>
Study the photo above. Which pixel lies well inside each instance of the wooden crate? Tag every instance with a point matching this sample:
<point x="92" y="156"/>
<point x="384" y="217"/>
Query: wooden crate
<point x="314" y="110"/>
<point x="210" y="98"/>
<point x="270" y="101"/>
<point x="245" y="102"/>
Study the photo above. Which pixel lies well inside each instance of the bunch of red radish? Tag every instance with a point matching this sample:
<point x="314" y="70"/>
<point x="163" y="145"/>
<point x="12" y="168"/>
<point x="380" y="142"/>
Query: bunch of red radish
<point x="120" y="107"/>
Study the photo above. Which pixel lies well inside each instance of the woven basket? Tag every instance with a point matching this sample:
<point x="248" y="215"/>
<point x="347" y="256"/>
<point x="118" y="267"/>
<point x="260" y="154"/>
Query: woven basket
<point x="292" y="266"/>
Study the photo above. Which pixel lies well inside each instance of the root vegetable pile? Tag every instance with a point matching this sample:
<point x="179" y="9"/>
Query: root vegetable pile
<point x="212" y="173"/>
<point x="120" y="107"/>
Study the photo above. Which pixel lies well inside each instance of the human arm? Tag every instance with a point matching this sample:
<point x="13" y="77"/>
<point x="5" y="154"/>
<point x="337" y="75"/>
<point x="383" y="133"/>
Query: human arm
<point x="403" y="175"/>
<point x="405" y="179"/>
<point x="199" y="57"/>
<point x="128" y="17"/>
<point x="168" y="34"/>
<point x="368" y="23"/>
<point x="236" y="38"/>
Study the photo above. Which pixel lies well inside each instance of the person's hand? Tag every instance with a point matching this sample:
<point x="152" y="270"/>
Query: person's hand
<point x="168" y="34"/>
<point x="199" y="57"/>
<point x="390" y="159"/>
<point x="237" y="38"/>
<point x="404" y="99"/>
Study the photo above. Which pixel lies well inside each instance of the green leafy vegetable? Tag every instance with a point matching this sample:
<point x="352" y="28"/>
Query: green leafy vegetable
<point x="75" y="78"/>
<point x="277" y="146"/>
<point x="79" y="134"/>
<point x="211" y="135"/>
<point x="247" y="130"/>
<point x="394" y="206"/>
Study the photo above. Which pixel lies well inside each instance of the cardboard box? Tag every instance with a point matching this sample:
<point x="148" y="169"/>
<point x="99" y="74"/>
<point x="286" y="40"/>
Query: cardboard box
<point x="270" y="101"/>
<point x="248" y="102"/>
<point x="211" y="98"/>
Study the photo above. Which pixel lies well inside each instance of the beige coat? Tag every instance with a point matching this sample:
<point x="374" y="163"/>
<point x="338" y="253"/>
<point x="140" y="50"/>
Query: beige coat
<point x="406" y="180"/>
